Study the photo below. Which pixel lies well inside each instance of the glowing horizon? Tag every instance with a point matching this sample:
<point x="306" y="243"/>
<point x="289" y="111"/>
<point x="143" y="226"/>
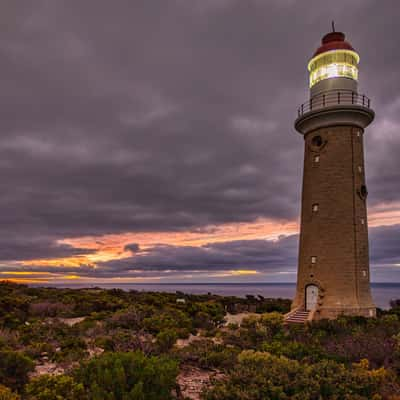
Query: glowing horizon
<point x="112" y="247"/>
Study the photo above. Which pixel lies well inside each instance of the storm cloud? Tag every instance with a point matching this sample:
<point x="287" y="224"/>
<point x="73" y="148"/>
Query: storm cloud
<point x="20" y="247"/>
<point x="242" y="254"/>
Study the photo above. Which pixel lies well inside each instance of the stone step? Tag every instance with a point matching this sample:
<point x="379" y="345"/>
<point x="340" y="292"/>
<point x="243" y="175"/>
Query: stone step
<point x="298" y="317"/>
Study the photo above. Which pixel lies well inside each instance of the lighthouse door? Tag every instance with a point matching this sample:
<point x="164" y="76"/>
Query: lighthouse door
<point x="311" y="297"/>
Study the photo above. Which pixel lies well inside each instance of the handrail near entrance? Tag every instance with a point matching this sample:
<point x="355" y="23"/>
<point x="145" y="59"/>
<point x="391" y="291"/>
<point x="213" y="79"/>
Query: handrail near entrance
<point x="334" y="98"/>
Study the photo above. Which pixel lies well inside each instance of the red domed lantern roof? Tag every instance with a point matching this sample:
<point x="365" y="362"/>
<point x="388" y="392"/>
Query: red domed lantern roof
<point x="333" y="41"/>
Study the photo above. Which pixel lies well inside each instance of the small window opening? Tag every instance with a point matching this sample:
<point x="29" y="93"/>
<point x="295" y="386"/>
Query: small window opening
<point x="363" y="191"/>
<point x="316" y="141"/>
<point x="362" y="221"/>
<point x="360" y="169"/>
<point x="316" y="159"/>
<point x="358" y="133"/>
<point x="315" y="207"/>
<point x="313" y="260"/>
<point x="364" y="273"/>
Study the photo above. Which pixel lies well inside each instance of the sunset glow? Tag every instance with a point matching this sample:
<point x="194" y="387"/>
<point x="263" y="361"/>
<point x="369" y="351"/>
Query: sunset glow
<point x="113" y="247"/>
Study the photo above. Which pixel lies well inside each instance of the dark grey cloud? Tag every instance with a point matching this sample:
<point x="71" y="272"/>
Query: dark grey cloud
<point x="20" y="247"/>
<point x="385" y="245"/>
<point x="172" y="115"/>
<point x="133" y="247"/>
<point x="238" y="254"/>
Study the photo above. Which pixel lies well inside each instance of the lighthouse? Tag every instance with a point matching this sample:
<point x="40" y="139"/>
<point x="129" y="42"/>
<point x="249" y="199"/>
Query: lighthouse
<point x="333" y="269"/>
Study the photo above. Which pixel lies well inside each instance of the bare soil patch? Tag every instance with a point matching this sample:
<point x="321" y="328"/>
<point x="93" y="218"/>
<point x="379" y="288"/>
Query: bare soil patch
<point x="48" y="368"/>
<point x="238" y="318"/>
<point x="192" y="381"/>
<point x="72" y="321"/>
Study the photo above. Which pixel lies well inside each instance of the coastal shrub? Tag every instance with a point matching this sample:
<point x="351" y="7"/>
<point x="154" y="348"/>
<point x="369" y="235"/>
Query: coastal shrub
<point x="377" y="347"/>
<point x="219" y="356"/>
<point x="8" y="339"/>
<point x="209" y="313"/>
<point x="257" y="304"/>
<point x="131" y="318"/>
<point x="71" y="349"/>
<point x="14" y="369"/>
<point x="43" y="331"/>
<point x="208" y="354"/>
<point x="281" y="306"/>
<point x="38" y="349"/>
<point x="254" y="330"/>
<point x="395" y="307"/>
<point x="166" y="339"/>
<point x="124" y="340"/>
<point x="262" y="376"/>
<point x="272" y="323"/>
<point x="396" y="355"/>
<point x="294" y="350"/>
<point x="350" y="339"/>
<point x="104" y="342"/>
<point x="7" y="394"/>
<point x="202" y="320"/>
<point x="149" y="322"/>
<point x="169" y="319"/>
<point x="54" y="387"/>
<point x="49" y="309"/>
<point x="124" y="376"/>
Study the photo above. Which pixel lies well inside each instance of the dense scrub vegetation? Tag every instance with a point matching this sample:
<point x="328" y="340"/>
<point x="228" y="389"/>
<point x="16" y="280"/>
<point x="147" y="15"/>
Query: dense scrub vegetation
<point x="95" y="344"/>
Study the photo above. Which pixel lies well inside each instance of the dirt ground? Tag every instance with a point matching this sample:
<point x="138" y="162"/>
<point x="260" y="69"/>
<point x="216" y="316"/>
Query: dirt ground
<point x="238" y="318"/>
<point x="180" y="343"/>
<point x="192" y="381"/>
<point x="47" y="368"/>
<point x="72" y="321"/>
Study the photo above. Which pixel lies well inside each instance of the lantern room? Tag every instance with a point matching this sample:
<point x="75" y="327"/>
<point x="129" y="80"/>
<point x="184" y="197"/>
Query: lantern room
<point x="335" y="58"/>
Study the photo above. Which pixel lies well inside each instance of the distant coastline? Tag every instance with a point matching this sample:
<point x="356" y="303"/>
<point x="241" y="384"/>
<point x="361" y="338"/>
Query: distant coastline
<point x="382" y="292"/>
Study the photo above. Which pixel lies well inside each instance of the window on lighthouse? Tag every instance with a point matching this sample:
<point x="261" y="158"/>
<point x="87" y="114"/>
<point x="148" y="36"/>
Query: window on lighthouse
<point x="363" y="192"/>
<point x="317" y="141"/>
<point x="333" y="64"/>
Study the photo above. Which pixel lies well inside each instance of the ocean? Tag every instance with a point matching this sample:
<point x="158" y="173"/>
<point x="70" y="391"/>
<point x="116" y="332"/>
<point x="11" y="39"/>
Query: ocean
<point x="382" y="292"/>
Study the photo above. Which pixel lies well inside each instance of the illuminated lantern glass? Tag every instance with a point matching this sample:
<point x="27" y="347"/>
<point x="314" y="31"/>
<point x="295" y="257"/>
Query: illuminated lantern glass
<point x="333" y="64"/>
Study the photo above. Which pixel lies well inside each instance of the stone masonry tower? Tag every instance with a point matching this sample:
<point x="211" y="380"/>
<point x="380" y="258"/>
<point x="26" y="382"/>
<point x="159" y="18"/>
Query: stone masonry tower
<point x="333" y="270"/>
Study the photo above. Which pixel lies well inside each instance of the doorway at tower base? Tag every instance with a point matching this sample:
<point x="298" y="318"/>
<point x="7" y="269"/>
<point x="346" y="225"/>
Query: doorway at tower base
<point x="333" y="313"/>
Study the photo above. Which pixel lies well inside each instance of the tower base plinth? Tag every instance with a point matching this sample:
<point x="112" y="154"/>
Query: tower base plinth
<point x="333" y="313"/>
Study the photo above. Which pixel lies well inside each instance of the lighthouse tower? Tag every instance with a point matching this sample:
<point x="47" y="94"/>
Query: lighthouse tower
<point x="333" y="270"/>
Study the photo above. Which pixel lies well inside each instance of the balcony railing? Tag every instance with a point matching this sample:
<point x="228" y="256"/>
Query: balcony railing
<point x="333" y="98"/>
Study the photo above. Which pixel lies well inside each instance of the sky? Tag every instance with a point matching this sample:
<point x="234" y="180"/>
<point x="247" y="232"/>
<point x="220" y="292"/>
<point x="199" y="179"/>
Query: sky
<point x="153" y="140"/>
